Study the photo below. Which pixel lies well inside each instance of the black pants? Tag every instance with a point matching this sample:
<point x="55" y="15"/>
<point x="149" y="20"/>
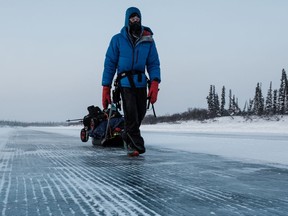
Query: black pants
<point x="134" y="107"/>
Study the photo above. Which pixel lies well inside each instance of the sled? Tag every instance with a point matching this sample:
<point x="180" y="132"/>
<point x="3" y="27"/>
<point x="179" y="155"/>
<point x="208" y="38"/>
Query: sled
<point x="104" y="127"/>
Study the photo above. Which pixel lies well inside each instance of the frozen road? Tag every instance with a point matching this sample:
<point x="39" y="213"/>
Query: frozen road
<point x="45" y="173"/>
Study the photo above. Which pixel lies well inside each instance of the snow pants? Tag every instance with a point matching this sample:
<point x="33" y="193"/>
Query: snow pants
<point x="134" y="108"/>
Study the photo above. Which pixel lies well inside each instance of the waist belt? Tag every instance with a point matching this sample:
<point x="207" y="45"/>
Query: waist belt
<point x="129" y="75"/>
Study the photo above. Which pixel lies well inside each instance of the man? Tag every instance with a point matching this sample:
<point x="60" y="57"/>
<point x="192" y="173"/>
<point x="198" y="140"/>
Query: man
<point x="130" y="53"/>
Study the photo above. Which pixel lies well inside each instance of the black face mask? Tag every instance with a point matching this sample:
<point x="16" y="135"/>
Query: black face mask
<point x="135" y="28"/>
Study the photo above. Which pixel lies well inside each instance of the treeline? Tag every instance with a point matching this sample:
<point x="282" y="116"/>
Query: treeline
<point x="276" y="102"/>
<point x="28" y="124"/>
<point x="190" y="114"/>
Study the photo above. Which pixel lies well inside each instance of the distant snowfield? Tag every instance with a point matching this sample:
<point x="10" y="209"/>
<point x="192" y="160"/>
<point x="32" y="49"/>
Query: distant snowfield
<point x="277" y="125"/>
<point x="258" y="141"/>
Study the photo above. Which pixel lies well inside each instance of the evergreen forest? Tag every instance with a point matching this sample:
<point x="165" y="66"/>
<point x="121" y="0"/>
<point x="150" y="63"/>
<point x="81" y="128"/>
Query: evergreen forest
<point x="274" y="103"/>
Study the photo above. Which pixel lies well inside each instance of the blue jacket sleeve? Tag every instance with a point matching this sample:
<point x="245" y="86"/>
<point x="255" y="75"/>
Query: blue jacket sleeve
<point x="153" y="64"/>
<point x="111" y="62"/>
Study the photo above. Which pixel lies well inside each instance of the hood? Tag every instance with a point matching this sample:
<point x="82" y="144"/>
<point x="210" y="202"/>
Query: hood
<point x="130" y="11"/>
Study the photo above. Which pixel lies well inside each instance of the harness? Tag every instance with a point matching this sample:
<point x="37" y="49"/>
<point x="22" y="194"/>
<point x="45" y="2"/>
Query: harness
<point x="129" y="75"/>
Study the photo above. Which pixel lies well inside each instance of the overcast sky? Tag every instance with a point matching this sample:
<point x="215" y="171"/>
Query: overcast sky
<point x="52" y="52"/>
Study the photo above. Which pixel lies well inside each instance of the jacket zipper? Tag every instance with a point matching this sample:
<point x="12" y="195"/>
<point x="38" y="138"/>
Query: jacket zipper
<point x="137" y="53"/>
<point x="133" y="53"/>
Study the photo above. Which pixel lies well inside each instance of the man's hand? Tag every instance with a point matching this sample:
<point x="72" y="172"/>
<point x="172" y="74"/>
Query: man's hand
<point x="153" y="91"/>
<point x="106" y="97"/>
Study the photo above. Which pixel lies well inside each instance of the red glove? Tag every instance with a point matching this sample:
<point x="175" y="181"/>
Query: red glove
<point x="153" y="91"/>
<point x="106" y="98"/>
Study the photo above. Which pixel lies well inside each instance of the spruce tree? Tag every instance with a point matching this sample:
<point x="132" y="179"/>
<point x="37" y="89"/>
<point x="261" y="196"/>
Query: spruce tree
<point x="216" y="105"/>
<point x="230" y="102"/>
<point x="269" y="107"/>
<point x="213" y="102"/>
<point x="261" y="102"/>
<point x="210" y="101"/>
<point x="258" y="101"/>
<point x="233" y="104"/>
<point x="222" y="108"/>
<point x="286" y="93"/>
<point x="282" y="93"/>
<point x="275" y="103"/>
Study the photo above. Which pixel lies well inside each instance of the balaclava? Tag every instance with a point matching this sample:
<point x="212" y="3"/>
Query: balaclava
<point x="135" y="28"/>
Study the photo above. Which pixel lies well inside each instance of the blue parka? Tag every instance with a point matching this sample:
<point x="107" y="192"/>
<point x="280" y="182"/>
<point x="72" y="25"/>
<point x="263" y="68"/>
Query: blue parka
<point x="123" y="56"/>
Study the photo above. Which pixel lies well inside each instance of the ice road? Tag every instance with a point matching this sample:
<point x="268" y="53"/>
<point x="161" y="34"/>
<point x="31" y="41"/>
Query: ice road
<point x="45" y="173"/>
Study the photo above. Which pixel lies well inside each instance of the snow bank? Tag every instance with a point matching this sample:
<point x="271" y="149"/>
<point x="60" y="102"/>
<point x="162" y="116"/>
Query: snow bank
<point x="257" y="140"/>
<point x="276" y="125"/>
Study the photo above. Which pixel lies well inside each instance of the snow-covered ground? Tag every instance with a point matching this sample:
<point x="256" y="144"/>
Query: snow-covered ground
<point x="275" y="125"/>
<point x="256" y="140"/>
<point x="259" y="140"/>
